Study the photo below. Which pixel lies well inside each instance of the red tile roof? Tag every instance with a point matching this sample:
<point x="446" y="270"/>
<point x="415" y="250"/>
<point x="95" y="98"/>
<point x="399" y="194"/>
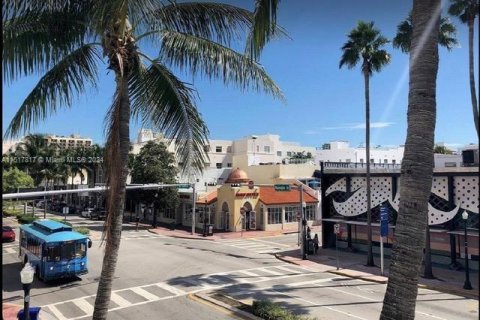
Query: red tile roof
<point x="211" y="198"/>
<point x="269" y="196"/>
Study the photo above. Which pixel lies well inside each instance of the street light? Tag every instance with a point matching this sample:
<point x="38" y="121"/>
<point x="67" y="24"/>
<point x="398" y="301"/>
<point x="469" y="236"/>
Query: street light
<point x="467" y="285"/>
<point x="26" y="276"/>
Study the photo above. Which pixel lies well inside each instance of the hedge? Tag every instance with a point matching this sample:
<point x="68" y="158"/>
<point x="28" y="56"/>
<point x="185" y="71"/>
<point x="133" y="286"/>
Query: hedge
<point x="26" y="219"/>
<point x="82" y="230"/>
<point x="270" y="311"/>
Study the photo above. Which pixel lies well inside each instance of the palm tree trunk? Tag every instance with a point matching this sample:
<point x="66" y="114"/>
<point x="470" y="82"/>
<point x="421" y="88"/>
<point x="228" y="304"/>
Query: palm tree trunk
<point x="417" y="165"/>
<point x="472" y="76"/>
<point x="370" y="261"/>
<point x="118" y="144"/>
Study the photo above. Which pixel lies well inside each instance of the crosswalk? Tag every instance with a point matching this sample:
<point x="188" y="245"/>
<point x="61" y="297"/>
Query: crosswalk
<point x="256" y="245"/>
<point x="134" y="235"/>
<point x="10" y="248"/>
<point x="82" y="307"/>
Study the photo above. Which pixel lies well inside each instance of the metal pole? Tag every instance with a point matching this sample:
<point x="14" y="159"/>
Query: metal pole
<point x="26" y="301"/>
<point x="336" y="251"/>
<point x="45" y="202"/>
<point x="381" y="255"/>
<point x="304" y="223"/>
<point x="467" y="285"/>
<point x="193" y="209"/>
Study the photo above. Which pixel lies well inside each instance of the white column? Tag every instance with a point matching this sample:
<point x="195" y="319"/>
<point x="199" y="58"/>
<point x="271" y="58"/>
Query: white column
<point x="283" y="218"/>
<point x="265" y="217"/>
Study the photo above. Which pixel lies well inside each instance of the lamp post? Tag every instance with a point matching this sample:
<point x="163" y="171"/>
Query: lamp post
<point x="26" y="276"/>
<point x="467" y="285"/>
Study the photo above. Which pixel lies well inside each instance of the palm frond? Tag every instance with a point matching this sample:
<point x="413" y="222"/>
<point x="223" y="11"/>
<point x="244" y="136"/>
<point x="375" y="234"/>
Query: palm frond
<point x="447" y="34"/>
<point x="34" y="43"/>
<point x="264" y="26"/>
<point x="57" y="88"/>
<point x="403" y="38"/>
<point x="168" y="104"/>
<point x="350" y="56"/>
<point x="465" y="10"/>
<point x="197" y="54"/>
<point x="12" y="9"/>
<point x="214" y="21"/>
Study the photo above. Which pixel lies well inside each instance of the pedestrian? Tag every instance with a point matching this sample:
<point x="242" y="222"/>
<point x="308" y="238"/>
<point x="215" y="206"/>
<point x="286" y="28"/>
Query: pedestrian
<point x="315" y="243"/>
<point x="309" y="234"/>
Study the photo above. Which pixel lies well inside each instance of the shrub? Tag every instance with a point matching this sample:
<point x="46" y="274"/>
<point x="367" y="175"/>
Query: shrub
<point x="271" y="311"/>
<point x="24" y="219"/>
<point x="82" y="230"/>
<point x="9" y="212"/>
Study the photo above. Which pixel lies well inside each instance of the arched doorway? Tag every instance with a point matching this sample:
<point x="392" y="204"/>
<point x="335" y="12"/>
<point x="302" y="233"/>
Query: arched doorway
<point x="225" y="217"/>
<point x="249" y="221"/>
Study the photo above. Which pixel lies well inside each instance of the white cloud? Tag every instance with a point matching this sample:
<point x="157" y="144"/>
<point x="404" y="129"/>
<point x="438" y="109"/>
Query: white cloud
<point x="357" y="126"/>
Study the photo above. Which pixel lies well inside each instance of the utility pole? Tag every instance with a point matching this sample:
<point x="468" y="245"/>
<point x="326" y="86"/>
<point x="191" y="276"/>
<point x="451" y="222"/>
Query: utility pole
<point x="304" y="225"/>
<point x="193" y="208"/>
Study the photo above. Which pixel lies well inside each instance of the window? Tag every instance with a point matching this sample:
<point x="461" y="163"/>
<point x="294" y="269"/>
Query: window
<point x="258" y="148"/>
<point x="274" y="215"/>
<point x="206" y="148"/>
<point x="219" y="165"/>
<point x="229" y="165"/>
<point x="361" y="160"/>
<point x="289" y="154"/>
<point x="394" y="161"/>
<point x="169" y="213"/>
<point x="372" y="160"/>
<point x="266" y="149"/>
<point x="348" y="160"/>
<point x="450" y="164"/>
<point x="279" y="153"/>
<point x="229" y="149"/>
<point x="53" y="254"/>
<point x="291" y="214"/>
<point x="310" y="212"/>
<point x="218" y="149"/>
<point x="188" y="213"/>
<point x="385" y="160"/>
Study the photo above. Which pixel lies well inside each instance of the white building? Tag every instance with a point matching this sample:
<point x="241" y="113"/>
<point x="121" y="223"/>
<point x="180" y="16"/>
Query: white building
<point x="66" y="142"/>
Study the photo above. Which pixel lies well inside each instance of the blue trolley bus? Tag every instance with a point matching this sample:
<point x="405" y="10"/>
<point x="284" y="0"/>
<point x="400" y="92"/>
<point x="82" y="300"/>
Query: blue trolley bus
<point x="53" y="249"/>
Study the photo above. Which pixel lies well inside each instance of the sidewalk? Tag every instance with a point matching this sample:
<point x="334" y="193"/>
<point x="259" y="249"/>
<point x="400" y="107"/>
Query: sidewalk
<point x="353" y="265"/>
<point x="10" y="311"/>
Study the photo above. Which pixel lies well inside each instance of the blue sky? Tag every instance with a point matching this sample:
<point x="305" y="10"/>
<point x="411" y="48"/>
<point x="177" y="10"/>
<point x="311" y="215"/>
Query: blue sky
<point x="324" y="102"/>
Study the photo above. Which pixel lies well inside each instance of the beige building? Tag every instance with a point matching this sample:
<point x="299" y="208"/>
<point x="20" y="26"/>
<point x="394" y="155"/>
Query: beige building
<point x="72" y="141"/>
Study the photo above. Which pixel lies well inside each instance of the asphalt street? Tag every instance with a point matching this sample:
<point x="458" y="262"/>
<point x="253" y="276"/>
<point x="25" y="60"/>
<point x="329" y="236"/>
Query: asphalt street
<point x="157" y="277"/>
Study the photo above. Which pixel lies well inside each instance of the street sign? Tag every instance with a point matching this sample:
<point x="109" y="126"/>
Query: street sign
<point x="65" y="210"/>
<point x="383" y="221"/>
<point x="282" y="187"/>
<point x="336" y="228"/>
<point x="183" y="186"/>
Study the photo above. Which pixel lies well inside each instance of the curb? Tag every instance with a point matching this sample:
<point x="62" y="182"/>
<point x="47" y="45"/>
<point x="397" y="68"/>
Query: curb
<point x="420" y="285"/>
<point x="226" y="306"/>
<point x="181" y="237"/>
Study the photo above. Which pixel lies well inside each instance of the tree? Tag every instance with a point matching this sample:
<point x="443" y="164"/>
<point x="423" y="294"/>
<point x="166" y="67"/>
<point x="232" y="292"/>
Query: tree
<point x="467" y="11"/>
<point x="154" y="164"/>
<point x="67" y="39"/>
<point x="13" y="179"/>
<point x="446" y="34"/>
<point x="30" y="149"/>
<point x="417" y="165"/>
<point x="442" y="150"/>
<point x="364" y="44"/>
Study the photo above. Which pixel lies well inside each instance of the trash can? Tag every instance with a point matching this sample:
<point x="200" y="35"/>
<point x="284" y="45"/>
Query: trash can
<point x="32" y="311"/>
<point x="310" y="246"/>
<point x="210" y="230"/>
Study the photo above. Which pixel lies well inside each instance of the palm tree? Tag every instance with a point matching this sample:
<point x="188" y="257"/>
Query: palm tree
<point x="446" y="34"/>
<point x="32" y="147"/>
<point x="364" y="44"/>
<point x="467" y="11"/>
<point x="67" y="39"/>
<point x="417" y="165"/>
<point x="447" y="39"/>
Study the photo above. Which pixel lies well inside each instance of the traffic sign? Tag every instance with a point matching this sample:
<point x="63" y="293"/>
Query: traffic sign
<point x="65" y="210"/>
<point x="336" y="228"/>
<point x="383" y="221"/>
<point x="282" y="187"/>
<point x="183" y="186"/>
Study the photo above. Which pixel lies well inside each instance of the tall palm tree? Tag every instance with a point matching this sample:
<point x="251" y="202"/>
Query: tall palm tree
<point x="364" y="45"/>
<point x="417" y="164"/>
<point x="446" y="34"/>
<point x="67" y="39"/>
<point x="32" y="146"/>
<point x="467" y="11"/>
<point x="446" y="38"/>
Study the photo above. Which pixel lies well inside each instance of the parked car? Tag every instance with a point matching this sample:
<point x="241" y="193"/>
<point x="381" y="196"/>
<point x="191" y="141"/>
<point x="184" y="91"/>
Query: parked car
<point x="86" y="213"/>
<point x="98" y="214"/>
<point x="8" y="234"/>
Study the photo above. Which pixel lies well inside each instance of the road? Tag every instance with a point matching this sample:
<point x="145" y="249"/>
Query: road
<point x="157" y="278"/>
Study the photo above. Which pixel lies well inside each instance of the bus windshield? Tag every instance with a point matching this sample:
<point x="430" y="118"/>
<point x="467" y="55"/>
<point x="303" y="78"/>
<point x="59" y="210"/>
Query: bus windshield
<point x="66" y="251"/>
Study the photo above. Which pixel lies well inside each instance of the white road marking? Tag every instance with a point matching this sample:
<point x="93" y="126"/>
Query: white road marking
<point x="271" y="242"/>
<point x="254" y="275"/>
<point x="147" y="295"/>
<point x="175" y="291"/>
<point x="9" y="250"/>
<point x="271" y="271"/>
<point x="84" y="306"/>
<point x="121" y="302"/>
<point x="287" y="269"/>
<point x="56" y="312"/>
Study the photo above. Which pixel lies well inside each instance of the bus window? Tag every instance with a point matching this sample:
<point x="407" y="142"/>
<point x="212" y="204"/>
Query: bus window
<point x="68" y="251"/>
<point x="53" y="254"/>
<point x="81" y="250"/>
